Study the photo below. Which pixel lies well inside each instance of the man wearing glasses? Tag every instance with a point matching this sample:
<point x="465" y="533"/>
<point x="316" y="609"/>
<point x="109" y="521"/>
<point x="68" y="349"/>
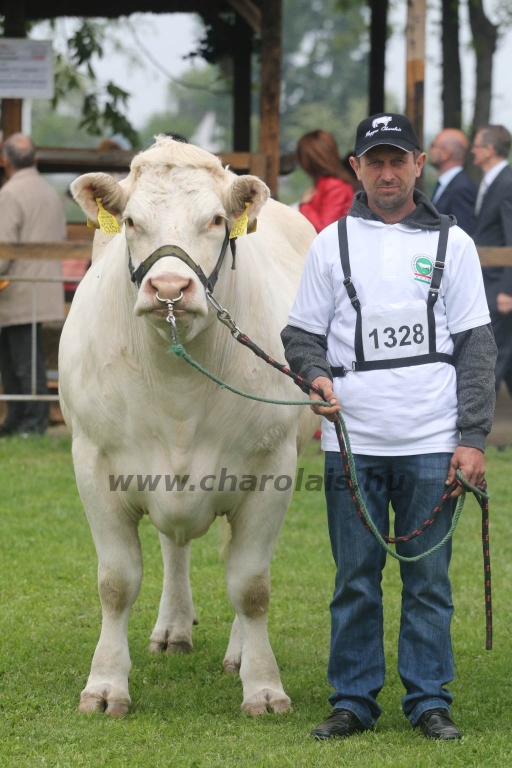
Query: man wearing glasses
<point x="493" y="227"/>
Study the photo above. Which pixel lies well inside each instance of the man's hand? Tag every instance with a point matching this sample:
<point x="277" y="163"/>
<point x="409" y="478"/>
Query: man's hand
<point x="504" y="303"/>
<point x="471" y="463"/>
<point x="325" y="385"/>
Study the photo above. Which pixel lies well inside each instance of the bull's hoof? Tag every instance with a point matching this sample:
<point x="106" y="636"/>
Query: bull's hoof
<point x="267" y="700"/>
<point x="231" y="666"/>
<point x="90" y="702"/>
<point x="169" y="647"/>
<point x="181" y="646"/>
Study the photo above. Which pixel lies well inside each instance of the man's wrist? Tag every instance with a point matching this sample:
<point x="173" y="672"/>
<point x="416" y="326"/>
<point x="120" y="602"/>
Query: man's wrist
<point x="315" y="371"/>
<point x="473" y="437"/>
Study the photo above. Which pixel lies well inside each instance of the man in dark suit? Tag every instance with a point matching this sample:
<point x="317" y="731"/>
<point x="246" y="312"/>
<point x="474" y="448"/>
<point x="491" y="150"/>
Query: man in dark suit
<point x="493" y="227"/>
<point x="454" y="192"/>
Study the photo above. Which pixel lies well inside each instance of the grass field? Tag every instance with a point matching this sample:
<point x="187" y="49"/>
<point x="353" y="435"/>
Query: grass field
<point x="185" y="711"/>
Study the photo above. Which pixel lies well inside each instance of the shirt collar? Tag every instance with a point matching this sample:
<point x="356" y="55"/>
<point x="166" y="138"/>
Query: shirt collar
<point x="445" y="178"/>
<point x="22" y="172"/>
<point x="495" y="171"/>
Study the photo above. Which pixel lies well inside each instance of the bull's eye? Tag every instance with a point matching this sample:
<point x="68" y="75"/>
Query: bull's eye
<point x="218" y="220"/>
<point x="129" y="222"/>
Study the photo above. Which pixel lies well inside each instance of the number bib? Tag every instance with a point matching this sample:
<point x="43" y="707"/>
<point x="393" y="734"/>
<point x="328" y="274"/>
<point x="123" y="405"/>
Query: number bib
<point x="395" y="330"/>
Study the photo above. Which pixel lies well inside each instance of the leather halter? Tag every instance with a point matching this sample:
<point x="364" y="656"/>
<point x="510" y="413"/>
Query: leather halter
<point x="137" y="275"/>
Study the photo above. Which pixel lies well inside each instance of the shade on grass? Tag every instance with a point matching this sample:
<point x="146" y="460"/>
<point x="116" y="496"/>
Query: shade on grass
<point x="185" y="711"/>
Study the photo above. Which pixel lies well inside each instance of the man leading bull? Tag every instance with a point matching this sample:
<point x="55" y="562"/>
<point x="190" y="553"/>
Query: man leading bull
<point x="391" y="321"/>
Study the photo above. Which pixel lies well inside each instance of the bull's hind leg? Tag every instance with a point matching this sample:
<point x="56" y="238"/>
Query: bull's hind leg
<point x="233" y="658"/>
<point x="119" y="577"/>
<point x="173" y="629"/>
<point x="255" y="530"/>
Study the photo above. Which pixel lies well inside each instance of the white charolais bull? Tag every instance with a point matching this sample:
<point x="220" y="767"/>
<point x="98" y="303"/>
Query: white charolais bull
<point x="133" y="408"/>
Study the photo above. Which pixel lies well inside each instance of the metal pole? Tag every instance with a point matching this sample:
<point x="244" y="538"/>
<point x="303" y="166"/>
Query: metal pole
<point x="33" y="350"/>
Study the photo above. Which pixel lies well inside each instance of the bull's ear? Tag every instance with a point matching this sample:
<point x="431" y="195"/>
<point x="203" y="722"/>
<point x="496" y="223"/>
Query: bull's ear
<point x="247" y="189"/>
<point x="87" y="188"/>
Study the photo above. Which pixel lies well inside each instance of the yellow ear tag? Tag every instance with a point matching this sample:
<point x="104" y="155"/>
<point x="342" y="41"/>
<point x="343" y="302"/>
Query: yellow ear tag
<point x="108" y="222"/>
<point x="240" y="225"/>
<point x="253" y="226"/>
<point x="92" y="225"/>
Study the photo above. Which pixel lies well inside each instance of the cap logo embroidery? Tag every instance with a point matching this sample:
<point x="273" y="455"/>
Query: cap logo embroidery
<point x="381" y="121"/>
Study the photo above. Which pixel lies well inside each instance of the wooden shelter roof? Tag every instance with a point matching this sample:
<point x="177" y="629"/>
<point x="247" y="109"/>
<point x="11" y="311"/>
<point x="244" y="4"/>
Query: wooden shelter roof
<point x="36" y="10"/>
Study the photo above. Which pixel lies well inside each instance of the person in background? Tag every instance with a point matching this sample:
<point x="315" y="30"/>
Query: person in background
<point x="331" y="196"/>
<point x="493" y="227"/>
<point x="352" y="178"/>
<point x="454" y="192"/>
<point x="30" y="212"/>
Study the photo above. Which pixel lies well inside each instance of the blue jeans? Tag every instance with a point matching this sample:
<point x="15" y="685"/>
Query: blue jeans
<point x="413" y="485"/>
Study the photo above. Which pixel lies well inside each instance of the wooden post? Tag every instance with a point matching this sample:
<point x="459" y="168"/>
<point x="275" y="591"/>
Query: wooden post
<point x="270" y="87"/>
<point x="14" y="26"/>
<point x="414" y="100"/>
<point x="242" y="86"/>
<point x="378" y="36"/>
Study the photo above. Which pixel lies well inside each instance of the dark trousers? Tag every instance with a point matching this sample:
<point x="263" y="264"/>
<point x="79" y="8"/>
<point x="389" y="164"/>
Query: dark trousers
<point x="412" y="485"/>
<point x="15" y="370"/>
<point x="502" y="329"/>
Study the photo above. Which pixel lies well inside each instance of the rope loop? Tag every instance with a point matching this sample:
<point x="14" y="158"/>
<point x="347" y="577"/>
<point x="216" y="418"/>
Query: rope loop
<point x="347" y="459"/>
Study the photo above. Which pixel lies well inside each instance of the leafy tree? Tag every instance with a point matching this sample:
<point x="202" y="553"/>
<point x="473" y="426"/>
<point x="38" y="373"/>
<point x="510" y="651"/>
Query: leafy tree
<point x="325" y="69"/>
<point x="101" y="105"/>
<point x="199" y="91"/>
<point x="59" y="128"/>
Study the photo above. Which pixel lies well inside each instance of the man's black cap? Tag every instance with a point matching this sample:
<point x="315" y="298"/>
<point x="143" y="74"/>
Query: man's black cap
<point x="386" y="128"/>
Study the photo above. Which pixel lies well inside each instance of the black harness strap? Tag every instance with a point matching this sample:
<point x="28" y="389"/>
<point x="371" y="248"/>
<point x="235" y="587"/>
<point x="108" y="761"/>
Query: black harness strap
<point x="433" y="356"/>
<point x="137" y="275"/>
<point x="398" y="362"/>
<point x="435" y="281"/>
<point x="349" y="285"/>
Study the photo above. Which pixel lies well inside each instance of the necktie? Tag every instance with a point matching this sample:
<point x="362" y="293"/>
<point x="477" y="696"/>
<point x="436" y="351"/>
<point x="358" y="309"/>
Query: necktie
<point x="482" y="189"/>
<point x="436" y="192"/>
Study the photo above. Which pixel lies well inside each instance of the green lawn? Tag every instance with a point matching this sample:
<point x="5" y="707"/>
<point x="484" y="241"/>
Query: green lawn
<point x="186" y="712"/>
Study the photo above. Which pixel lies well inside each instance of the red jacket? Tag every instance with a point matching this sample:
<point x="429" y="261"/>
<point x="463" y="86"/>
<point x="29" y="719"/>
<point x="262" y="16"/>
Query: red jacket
<point x="332" y="199"/>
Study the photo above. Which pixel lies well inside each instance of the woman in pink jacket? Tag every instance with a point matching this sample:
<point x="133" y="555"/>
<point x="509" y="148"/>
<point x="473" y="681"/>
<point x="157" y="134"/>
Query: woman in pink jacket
<point x="332" y="194"/>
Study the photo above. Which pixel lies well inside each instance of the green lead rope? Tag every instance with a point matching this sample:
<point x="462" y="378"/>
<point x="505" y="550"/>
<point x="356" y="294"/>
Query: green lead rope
<point x="349" y="467"/>
<point x="179" y="351"/>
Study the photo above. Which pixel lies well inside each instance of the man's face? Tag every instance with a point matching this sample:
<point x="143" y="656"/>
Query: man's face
<point x="388" y="175"/>
<point x="437" y="154"/>
<point x="481" y="152"/>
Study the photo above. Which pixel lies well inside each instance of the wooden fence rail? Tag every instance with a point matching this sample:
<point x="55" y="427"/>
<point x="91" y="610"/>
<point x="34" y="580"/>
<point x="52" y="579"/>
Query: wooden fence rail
<point x="78" y="246"/>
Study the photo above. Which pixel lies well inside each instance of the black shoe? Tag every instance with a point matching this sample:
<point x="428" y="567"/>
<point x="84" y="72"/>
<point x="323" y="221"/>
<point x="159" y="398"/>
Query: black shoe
<point x="437" y="724"/>
<point x="341" y="722"/>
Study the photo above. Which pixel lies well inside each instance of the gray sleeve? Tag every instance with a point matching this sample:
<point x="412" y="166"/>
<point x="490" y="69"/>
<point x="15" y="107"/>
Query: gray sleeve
<point x="306" y="353"/>
<point x="475" y="357"/>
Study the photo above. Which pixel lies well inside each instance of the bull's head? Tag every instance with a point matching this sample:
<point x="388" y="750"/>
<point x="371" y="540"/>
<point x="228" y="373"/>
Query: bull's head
<point x="176" y="194"/>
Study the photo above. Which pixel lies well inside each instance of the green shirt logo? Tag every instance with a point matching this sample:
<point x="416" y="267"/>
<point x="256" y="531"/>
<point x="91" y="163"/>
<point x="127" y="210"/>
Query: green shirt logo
<point x="422" y="266"/>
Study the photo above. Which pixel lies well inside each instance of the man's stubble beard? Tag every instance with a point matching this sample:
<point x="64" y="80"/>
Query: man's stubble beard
<point x="393" y="203"/>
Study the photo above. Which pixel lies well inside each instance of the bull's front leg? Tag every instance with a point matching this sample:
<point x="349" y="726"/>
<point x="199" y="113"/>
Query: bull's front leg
<point x="256" y="528"/>
<point x="117" y="544"/>
<point x="173" y="629"/>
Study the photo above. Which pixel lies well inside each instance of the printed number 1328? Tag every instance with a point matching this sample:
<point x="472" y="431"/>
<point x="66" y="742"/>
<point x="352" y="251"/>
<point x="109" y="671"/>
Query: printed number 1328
<point x="415" y="334"/>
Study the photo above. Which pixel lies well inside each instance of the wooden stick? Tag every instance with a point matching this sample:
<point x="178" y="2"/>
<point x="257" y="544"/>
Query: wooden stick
<point x="414" y="101"/>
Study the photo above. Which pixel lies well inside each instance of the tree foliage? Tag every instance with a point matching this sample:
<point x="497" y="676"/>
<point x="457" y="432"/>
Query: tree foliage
<point x="102" y="105"/>
<point x="325" y="68"/>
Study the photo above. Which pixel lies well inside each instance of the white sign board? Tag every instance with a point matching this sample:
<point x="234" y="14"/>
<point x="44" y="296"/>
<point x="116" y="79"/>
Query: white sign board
<point x="26" y="69"/>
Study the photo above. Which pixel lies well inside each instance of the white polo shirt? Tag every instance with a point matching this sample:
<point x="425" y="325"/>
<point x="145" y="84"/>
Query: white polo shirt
<point x="400" y="411"/>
